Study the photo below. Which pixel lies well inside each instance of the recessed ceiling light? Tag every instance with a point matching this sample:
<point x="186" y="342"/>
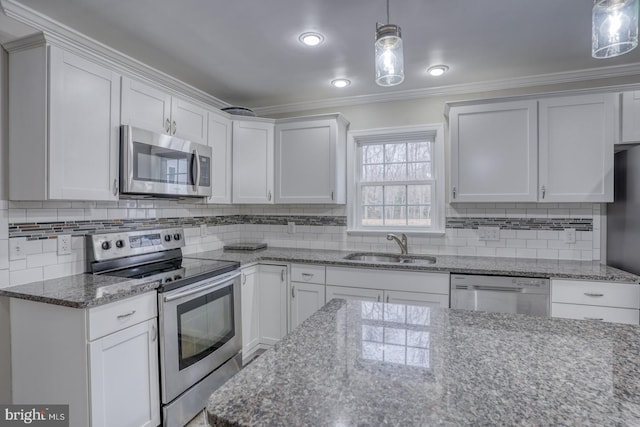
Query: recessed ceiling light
<point x="341" y="82"/>
<point x="437" y="70"/>
<point x="311" y="39"/>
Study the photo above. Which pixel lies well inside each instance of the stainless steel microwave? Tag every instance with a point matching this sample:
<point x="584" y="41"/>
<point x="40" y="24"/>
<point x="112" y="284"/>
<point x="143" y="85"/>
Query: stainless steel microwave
<point x="163" y="165"/>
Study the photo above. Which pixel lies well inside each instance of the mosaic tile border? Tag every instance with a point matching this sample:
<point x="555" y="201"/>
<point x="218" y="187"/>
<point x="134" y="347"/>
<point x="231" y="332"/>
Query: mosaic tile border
<point x="552" y="224"/>
<point x="49" y="230"/>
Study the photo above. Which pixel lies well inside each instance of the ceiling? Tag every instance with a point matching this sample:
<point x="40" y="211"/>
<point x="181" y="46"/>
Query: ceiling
<point x="246" y="52"/>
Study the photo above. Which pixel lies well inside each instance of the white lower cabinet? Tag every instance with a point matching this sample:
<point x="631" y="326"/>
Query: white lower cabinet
<point x="249" y="307"/>
<point x="102" y="361"/>
<point x="590" y="300"/>
<point x="306" y="299"/>
<point x="272" y="301"/>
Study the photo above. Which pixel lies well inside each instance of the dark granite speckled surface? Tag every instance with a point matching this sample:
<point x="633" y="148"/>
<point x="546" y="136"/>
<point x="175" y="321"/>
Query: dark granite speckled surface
<point x="80" y="290"/>
<point x="585" y="270"/>
<point x="370" y="364"/>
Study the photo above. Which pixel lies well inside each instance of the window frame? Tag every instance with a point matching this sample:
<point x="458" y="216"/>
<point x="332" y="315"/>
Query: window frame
<point x="388" y="135"/>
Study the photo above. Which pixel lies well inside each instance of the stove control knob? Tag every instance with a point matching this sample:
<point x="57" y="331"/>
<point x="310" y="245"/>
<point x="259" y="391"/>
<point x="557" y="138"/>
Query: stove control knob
<point x="106" y="245"/>
<point x="119" y="243"/>
<point x="177" y="277"/>
<point x="176" y="236"/>
<point x="168" y="280"/>
<point x="167" y="238"/>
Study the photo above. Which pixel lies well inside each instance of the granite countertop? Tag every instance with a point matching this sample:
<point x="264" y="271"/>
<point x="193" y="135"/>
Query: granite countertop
<point x="366" y="363"/>
<point x="80" y="290"/>
<point x="583" y="270"/>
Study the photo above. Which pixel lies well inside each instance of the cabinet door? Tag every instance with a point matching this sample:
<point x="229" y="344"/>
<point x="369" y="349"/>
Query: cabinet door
<point x="272" y="297"/>
<point x="219" y="137"/>
<point x="250" y="314"/>
<point x="306" y="299"/>
<point x="145" y="107"/>
<point x="416" y="298"/>
<point x="353" y="293"/>
<point x="188" y="121"/>
<point x="306" y="162"/>
<point x="630" y="117"/>
<point x="576" y="148"/>
<point x="494" y="152"/>
<point x="252" y="162"/>
<point x="84" y="122"/>
<point x="124" y="378"/>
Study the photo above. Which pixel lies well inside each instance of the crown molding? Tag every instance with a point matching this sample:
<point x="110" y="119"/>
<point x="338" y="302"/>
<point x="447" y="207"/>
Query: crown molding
<point x="58" y="34"/>
<point x="460" y="89"/>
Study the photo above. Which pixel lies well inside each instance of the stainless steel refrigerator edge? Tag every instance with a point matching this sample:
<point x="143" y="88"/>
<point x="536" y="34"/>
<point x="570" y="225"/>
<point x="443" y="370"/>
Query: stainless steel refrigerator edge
<point x="623" y="215"/>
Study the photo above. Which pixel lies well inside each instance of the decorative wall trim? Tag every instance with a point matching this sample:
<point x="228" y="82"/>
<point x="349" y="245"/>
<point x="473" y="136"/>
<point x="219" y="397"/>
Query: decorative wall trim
<point x="50" y="230"/>
<point x="553" y="224"/>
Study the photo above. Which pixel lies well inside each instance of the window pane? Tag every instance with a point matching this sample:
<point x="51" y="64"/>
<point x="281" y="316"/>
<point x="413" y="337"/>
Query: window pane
<point x="419" y="215"/>
<point x="419" y="171"/>
<point x="395" y="195"/>
<point x="395" y="172"/>
<point x="394" y="153"/>
<point x="419" y="194"/>
<point x="395" y="215"/>
<point x="372" y="215"/>
<point x="372" y="154"/>
<point x="372" y="173"/>
<point x="419" y="151"/>
<point x="372" y="195"/>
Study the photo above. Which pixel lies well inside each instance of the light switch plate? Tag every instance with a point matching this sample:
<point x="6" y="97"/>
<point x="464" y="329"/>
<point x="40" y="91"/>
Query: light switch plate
<point x="17" y="249"/>
<point x="203" y="229"/>
<point x="489" y="234"/>
<point x="569" y="235"/>
<point x="291" y="227"/>
<point x="64" y="244"/>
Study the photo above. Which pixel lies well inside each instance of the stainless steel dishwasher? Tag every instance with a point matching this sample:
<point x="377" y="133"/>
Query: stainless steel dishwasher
<point x="503" y="294"/>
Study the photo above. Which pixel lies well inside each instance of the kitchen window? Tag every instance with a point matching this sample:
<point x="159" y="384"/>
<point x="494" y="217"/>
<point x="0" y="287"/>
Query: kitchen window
<point x="397" y="180"/>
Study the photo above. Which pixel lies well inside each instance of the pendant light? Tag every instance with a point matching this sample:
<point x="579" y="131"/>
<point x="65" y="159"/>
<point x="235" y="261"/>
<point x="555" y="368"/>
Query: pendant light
<point x="614" y="27"/>
<point x="389" y="59"/>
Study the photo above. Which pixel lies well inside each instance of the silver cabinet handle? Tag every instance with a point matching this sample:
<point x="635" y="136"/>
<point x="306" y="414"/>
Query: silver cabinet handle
<point x="115" y="187"/>
<point x="594" y="318"/>
<point x="269" y="195"/>
<point x="544" y="191"/>
<point x="244" y="278"/>
<point x="175" y="127"/>
<point x="378" y="298"/>
<point x="196" y="181"/>
<point x="454" y="192"/>
<point x="307" y="276"/>
<point x="591" y="294"/>
<point x="124" y="316"/>
<point x="282" y="275"/>
<point x="154" y="333"/>
<point x="387" y="298"/>
<point x="293" y="291"/>
<point x="168" y="126"/>
<point x="332" y="195"/>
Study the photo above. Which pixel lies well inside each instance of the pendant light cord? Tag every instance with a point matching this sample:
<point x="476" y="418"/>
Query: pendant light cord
<point x="388" y="12"/>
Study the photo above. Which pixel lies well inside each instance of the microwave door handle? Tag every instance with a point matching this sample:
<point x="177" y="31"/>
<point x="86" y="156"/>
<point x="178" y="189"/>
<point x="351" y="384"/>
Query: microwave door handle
<point x="196" y="181"/>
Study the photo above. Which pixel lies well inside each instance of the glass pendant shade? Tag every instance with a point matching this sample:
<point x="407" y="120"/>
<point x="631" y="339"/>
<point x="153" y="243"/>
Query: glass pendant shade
<point x="614" y="27"/>
<point x="389" y="59"/>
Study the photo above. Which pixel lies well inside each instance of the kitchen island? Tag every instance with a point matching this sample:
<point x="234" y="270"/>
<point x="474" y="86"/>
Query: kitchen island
<point x="366" y="363"/>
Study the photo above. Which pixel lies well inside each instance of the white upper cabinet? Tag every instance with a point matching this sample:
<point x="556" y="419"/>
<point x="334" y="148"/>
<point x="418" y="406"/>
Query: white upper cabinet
<point x="630" y="117"/>
<point x="150" y="108"/>
<point x="576" y="148"/>
<point x="310" y="165"/>
<point x="219" y="136"/>
<point x="494" y="152"/>
<point x="64" y="126"/>
<point x="252" y="161"/>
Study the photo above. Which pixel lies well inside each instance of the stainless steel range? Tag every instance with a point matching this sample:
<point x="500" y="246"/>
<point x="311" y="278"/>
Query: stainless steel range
<point x="198" y="312"/>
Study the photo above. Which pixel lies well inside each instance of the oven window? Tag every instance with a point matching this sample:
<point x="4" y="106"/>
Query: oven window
<point x="205" y="324"/>
<point x="159" y="164"/>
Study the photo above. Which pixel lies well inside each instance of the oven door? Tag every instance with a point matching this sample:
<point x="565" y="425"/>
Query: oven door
<point x="159" y="164"/>
<point x="199" y="331"/>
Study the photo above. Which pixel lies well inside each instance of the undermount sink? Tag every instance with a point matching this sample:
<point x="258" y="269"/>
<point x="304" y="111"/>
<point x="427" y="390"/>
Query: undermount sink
<point x="389" y="258"/>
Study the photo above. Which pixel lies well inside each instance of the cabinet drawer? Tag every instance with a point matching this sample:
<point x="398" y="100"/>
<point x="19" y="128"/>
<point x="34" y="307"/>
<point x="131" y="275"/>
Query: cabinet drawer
<point x="308" y="273"/>
<point x="408" y="281"/>
<point x="624" y="295"/>
<point x="110" y="318"/>
<point x="606" y="314"/>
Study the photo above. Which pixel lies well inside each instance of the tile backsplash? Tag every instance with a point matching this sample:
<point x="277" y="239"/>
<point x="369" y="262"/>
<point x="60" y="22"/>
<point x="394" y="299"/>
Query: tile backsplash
<point x="28" y="245"/>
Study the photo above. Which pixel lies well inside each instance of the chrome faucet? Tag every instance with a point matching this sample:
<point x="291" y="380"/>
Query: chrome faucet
<point x="401" y="241"/>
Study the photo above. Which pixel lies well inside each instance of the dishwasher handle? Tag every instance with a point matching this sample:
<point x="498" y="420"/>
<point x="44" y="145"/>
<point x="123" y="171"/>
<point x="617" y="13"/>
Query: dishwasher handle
<point x="491" y="288"/>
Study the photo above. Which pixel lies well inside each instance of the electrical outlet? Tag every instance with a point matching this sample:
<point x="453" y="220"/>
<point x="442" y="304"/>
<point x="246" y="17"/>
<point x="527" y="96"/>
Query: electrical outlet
<point x="569" y="235"/>
<point x="16" y="249"/>
<point x="64" y="244"/>
<point x="291" y="227"/>
<point x="203" y="229"/>
<point x="489" y="233"/>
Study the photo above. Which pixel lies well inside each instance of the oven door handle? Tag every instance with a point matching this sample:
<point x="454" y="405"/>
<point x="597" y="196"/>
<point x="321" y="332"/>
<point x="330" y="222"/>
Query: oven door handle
<point x="204" y="287"/>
